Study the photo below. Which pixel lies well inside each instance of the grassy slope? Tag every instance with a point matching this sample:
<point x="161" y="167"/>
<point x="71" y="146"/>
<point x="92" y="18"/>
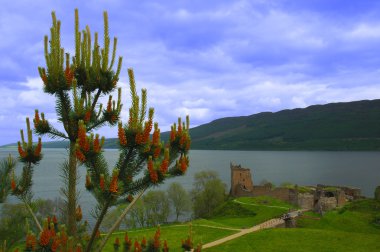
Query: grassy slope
<point x="349" y="229"/>
<point x="338" y="126"/>
<point x="245" y="215"/>
<point x="227" y="218"/>
<point x="302" y="240"/>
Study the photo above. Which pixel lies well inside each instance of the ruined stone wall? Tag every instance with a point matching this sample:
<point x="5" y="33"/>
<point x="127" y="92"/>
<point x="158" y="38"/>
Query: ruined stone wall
<point x="326" y="204"/>
<point x="340" y="198"/>
<point x="239" y="192"/>
<point x="260" y="190"/>
<point x="305" y="200"/>
<point x="280" y="193"/>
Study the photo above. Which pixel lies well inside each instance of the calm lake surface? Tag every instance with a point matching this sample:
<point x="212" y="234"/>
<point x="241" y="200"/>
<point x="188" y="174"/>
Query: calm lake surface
<point x="357" y="169"/>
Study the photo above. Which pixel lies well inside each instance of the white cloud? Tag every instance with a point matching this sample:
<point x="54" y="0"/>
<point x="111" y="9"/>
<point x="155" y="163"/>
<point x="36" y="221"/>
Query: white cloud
<point x="364" y="31"/>
<point x="209" y="59"/>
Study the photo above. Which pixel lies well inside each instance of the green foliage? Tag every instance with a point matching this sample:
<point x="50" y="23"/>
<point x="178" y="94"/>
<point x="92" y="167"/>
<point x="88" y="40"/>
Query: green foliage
<point x="136" y="217"/>
<point x="13" y="219"/>
<point x="330" y="189"/>
<point x="6" y="167"/>
<point x="363" y="206"/>
<point x="179" y="199"/>
<point x="377" y="193"/>
<point x="208" y="193"/>
<point x="157" y="207"/>
<point x="336" y="126"/>
<point x="77" y="83"/>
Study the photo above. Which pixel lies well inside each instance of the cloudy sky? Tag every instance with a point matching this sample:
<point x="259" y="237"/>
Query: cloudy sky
<point x="209" y="59"/>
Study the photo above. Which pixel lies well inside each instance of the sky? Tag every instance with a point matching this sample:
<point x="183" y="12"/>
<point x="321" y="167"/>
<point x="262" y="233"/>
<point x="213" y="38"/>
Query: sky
<point x="209" y="59"/>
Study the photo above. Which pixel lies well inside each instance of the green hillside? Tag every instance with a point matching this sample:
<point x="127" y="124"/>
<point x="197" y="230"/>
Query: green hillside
<point x="335" y="126"/>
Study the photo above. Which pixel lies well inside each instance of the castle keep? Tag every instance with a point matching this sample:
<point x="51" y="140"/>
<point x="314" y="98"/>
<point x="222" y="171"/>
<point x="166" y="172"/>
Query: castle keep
<point x="319" y="198"/>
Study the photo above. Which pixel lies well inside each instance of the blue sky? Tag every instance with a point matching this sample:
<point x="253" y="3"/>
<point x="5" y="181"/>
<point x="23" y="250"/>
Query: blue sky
<point x="209" y="59"/>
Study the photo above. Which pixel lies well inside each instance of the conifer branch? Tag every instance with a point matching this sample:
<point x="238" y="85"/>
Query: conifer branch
<point x="88" y="58"/>
<point x="63" y="108"/>
<point x="143" y="106"/>
<point x="32" y="214"/>
<point x="54" y="133"/>
<point x="113" y="53"/>
<point x="97" y="124"/>
<point x="119" y="220"/>
<point x="95" y="100"/>
<point x="77" y="38"/>
<point x="106" y="42"/>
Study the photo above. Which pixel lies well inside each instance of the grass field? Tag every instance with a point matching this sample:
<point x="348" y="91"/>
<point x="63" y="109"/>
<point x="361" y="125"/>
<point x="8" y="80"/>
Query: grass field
<point x="246" y="212"/>
<point x="174" y="234"/>
<point x="351" y="228"/>
<point x="312" y="240"/>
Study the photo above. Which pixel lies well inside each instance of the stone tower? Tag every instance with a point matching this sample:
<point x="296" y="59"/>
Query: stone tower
<point x="241" y="181"/>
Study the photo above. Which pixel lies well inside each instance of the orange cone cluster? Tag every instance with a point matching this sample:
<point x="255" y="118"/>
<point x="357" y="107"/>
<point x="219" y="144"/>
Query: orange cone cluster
<point x="101" y="182"/>
<point x="127" y="242"/>
<point x="50" y="238"/>
<point x="87" y="144"/>
<point x="181" y="134"/>
<point x="154" y="244"/>
<point x="40" y="124"/>
<point x="113" y="185"/>
<point x="69" y="75"/>
<point x="31" y="242"/>
<point x="121" y="135"/>
<point x="152" y="172"/>
<point x="29" y="153"/>
<point x="88" y="181"/>
<point x="183" y="163"/>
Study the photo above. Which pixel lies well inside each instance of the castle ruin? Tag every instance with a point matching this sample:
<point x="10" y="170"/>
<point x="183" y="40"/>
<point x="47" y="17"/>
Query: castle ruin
<point x="320" y="198"/>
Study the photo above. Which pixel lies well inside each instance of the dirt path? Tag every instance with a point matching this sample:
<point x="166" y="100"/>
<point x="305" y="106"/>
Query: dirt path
<point x="268" y="224"/>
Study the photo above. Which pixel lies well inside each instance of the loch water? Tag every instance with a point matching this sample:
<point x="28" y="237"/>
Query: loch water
<point x="357" y="169"/>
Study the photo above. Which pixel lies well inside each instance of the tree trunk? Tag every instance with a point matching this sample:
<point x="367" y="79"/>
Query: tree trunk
<point x="97" y="225"/>
<point x="72" y="194"/>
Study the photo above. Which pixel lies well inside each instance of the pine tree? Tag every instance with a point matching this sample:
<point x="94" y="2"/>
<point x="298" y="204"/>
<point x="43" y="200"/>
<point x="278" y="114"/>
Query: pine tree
<point x="77" y="84"/>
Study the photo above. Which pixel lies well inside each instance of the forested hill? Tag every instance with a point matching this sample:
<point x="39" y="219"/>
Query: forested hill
<point x="335" y="126"/>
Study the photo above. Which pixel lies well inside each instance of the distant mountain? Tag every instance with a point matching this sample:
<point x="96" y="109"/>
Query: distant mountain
<point x="334" y="126"/>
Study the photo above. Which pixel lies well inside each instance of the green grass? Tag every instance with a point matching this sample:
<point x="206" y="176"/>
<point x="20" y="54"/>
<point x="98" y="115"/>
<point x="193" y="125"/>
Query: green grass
<point x="357" y="216"/>
<point x="304" y="240"/>
<point x="351" y="228"/>
<point x="173" y="234"/>
<point x="265" y="201"/>
<point x="236" y="215"/>
<point x="209" y="223"/>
